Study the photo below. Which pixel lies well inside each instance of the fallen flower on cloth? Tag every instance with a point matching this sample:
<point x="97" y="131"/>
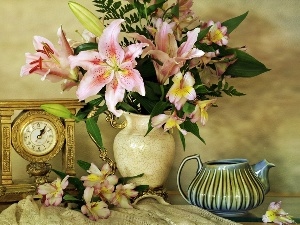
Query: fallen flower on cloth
<point x="275" y="214"/>
<point x="95" y="194"/>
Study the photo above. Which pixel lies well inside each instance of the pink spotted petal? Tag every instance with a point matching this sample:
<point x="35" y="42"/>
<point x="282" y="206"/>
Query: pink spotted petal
<point x="114" y="94"/>
<point x="92" y="82"/>
<point x="165" y="39"/>
<point x="133" y="51"/>
<point x="131" y="80"/>
<point x="108" y="45"/>
<point x="143" y="39"/>
<point x="85" y="59"/>
<point x="66" y="49"/>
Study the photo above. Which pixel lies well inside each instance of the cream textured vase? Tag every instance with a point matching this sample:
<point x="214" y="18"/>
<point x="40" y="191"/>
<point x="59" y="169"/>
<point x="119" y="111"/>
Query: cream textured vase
<point x="135" y="153"/>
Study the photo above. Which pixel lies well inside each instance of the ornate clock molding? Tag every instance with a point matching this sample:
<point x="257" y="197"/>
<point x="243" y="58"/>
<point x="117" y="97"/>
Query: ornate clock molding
<point x="8" y="109"/>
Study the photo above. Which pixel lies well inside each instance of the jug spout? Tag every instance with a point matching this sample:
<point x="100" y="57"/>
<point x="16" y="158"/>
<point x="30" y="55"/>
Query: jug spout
<point x="261" y="169"/>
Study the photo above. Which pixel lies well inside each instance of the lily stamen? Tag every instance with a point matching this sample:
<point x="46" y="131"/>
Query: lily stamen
<point x="39" y="66"/>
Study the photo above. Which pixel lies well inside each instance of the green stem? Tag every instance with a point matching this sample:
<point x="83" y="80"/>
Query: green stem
<point x="162" y="92"/>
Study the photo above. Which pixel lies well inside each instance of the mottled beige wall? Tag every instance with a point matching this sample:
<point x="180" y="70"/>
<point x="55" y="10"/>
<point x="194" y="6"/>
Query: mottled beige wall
<point x="263" y="124"/>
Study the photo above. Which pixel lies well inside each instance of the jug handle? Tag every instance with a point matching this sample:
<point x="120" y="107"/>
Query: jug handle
<point x="197" y="157"/>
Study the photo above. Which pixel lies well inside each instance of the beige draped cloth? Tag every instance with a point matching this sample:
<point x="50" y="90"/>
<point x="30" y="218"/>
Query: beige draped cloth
<point x="30" y="212"/>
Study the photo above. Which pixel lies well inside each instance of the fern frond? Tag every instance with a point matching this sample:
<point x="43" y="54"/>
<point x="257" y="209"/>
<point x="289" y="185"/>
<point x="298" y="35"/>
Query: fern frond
<point x="112" y="10"/>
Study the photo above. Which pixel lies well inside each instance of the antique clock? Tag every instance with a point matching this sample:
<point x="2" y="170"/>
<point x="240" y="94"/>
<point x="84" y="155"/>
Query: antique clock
<point x="37" y="137"/>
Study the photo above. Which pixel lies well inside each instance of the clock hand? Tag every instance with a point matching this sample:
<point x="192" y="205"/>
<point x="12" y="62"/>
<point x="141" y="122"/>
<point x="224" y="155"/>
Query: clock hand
<point x="42" y="131"/>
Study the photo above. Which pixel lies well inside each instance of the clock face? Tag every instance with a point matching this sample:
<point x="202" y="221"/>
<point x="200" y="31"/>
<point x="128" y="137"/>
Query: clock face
<point x="37" y="135"/>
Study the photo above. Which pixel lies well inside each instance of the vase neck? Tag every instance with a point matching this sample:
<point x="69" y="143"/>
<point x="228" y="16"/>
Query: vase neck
<point x="137" y="121"/>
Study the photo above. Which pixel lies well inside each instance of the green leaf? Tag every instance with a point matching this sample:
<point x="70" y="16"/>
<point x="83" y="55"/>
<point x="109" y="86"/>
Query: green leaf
<point x="202" y="33"/>
<point x="175" y="10"/>
<point x="117" y="5"/>
<point x="126" y="107"/>
<point x="182" y="139"/>
<point x="188" y="108"/>
<point x="124" y="180"/>
<point x="71" y="198"/>
<point x="153" y="90"/>
<point x="193" y="128"/>
<point x="158" y="4"/>
<point x="78" y="184"/>
<point x="72" y="180"/>
<point x="84" y="112"/>
<point x="145" y="102"/>
<point x="59" y="173"/>
<point x="58" y="110"/>
<point x="204" y="47"/>
<point x="85" y="47"/>
<point x="140" y="8"/>
<point x="141" y="188"/>
<point x="245" y="66"/>
<point x="159" y="108"/>
<point x="84" y="165"/>
<point x="233" y="23"/>
<point x="93" y="129"/>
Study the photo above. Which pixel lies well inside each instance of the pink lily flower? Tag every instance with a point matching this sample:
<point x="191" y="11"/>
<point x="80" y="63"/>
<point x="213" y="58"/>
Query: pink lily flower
<point x="186" y="17"/>
<point x="94" y="210"/>
<point x="96" y="176"/>
<point x="200" y="112"/>
<point x="122" y="195"/>
<point x="112" y="66"/>
<point x="182" y="89"/>
<point x="52" y="193"/>
<point x="168" y="122"/>
<point x="168" y="57"/>
<point x="50" y="63"/>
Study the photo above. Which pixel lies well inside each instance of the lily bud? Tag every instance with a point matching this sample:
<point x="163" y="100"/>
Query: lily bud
<point x="57" y="110"/>
<point x="91" y="22"/>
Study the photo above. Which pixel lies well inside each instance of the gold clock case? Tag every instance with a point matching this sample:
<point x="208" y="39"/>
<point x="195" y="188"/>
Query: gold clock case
<point x="27" y="117"/>
<point x="11" y="189"/>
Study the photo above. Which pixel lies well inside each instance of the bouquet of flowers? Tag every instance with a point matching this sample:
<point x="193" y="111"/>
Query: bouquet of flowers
<point x="146" y="57"/>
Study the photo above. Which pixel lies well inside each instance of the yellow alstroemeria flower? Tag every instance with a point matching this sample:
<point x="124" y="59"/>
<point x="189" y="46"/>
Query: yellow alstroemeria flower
<point x="182" y="89"/>
<point x="168" y="122"/>
<point x="200" y="112"/>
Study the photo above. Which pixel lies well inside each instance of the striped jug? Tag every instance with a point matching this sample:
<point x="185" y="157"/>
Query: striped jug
<point x="228" y="187"/>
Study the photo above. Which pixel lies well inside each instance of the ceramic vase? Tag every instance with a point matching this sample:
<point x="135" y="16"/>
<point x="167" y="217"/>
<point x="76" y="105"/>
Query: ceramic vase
<point x="135" y="153"/>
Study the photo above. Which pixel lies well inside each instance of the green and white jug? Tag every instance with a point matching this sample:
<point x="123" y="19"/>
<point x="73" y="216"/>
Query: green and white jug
<point x="228" y="187"/>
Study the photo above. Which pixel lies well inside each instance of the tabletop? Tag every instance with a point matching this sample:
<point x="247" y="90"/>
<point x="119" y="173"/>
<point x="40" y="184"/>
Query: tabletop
<point x="290" y="203"/>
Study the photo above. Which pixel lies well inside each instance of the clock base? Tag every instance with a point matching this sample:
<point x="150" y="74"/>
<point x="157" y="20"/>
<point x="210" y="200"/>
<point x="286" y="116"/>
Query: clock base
<point x="16" y="192"/>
